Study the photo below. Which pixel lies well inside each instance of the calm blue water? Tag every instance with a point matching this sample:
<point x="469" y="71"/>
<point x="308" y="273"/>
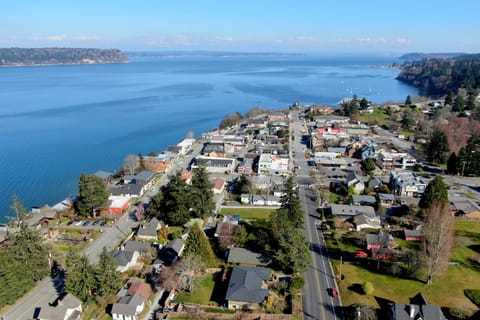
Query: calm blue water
<point x="59" y="121"/>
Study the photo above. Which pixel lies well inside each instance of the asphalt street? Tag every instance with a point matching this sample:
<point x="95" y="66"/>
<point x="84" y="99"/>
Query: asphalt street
<point x="318" y="301"/>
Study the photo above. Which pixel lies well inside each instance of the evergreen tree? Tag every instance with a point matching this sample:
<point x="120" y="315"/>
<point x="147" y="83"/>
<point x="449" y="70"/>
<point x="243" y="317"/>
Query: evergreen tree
<point x="294" y="254"/>
<point x="197" y="244"/>
<point x="449" y="99"/>
<point x="435" y="191"/>
<point x="171" y="204"/>
<point x="18" y="209"/>
<point x="291" y="204"/>
<point x="468" y="162"/>
<point x="93" y="194"/>
<point x="201" y="193"/>
<point x="452" y="164"/>
<point x="438" y="148"/>
<point x="107" y="277"/>
<point x="363" y="104"/>
<point x="242" y="185"/>
<point x="368" y="165"/>
<point x="408" y="119"/>
<point x="458" y="104"/>
<point x="408" y="101"/>
<point x="470" y="105"/>
<point x="79" y="278"/>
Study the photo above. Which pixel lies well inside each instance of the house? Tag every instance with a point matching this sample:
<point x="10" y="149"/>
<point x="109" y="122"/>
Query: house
<point x="138" y="246"/>
<point x="105" y="176"/>
<point x="124" y="259"/>
<point x="66" y="307"/>
<point x="355" y="182"/>
<point x="187" y="177"/>
<point x="414" y="235"/>
<point x="348" y="211"/>
<point x="395" y="160"/>
<point x="185" y="145"/>
<point x="247" y="257"/>
<point x="407" y="184"/>
<point x="141" y="288"/>
<point x="363" y="200"/>
<point x="379" y="240"/>
<point x="418" y="309"/>
<point x="158" y="163"/>
<point x="464" y="207"/>
<point x="386" y="199"/>
<point x="128" y="307"/>
<point x="367" y="151"/>
<point x="245" y="167"/>
<point x="218" y="185"/>
<point x="144" y="178"/>
<point x="127" y="190"/>
<point x="116" y="205"/>
<point x="365" y="222"/>
<point x="149" y="230"/>
<point x="171" y="252"/>
<point x="246" y="288"/>
<point x="382" y="253"/>
<point x="265" y="163"/>
<point x="215" y="165"/>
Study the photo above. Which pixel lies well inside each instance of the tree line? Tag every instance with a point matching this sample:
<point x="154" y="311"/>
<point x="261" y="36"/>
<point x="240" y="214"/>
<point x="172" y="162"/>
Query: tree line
<point x="441" y="76"/>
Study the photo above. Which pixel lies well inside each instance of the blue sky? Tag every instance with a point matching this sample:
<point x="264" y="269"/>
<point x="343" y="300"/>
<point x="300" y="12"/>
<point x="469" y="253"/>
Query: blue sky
<point x="348" y="26"/>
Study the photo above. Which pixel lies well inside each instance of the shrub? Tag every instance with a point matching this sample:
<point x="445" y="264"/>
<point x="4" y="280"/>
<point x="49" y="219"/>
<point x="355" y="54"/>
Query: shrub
<point x="368" y="287"/>
<point x="297" y="283"/>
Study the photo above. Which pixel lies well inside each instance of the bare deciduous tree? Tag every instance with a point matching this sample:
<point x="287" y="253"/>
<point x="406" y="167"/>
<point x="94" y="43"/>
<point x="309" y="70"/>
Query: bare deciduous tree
<point x="130" y="164"/>
<point x="188" y="268"/>
<point x="439" y="238"/>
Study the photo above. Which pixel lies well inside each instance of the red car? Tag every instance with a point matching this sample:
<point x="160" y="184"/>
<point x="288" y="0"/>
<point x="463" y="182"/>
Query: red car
<point x="361" y="254"/>
<point x="334" y="292"/>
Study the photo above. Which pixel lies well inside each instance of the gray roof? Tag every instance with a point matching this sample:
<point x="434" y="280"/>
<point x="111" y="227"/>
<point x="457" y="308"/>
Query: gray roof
<point x="246" y="284"/>
<point x="381" y="238"/>
<point x="125" y="309"/>
<point x="149" y="229"/>
<point x="176" y="245"/>
<point x="126" y="189"/>
<point x="386" y="197"/>
<point x="122" y="257"/>
<point x="363" y="199"/>
<point x="103" y="174"/>
<point x="144" y="175"/>
<point x="244" y="256"/>
<point x="139" y="246"/>
<point x="424" y="312"/>
<point x="70" y="301"/>
<point x="342" y="210"/>
<point x="134" y="300"/>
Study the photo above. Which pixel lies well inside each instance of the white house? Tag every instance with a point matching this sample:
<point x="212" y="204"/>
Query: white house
<point x="128" y="307"/>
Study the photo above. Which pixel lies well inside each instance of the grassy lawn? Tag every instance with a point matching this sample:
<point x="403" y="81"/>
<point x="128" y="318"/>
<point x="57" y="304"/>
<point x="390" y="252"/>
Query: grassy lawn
<point x="446" y="290"/>
<point x="378" y="116"/>
<point x="202" y="291"/>
<point x="247" y="213"/>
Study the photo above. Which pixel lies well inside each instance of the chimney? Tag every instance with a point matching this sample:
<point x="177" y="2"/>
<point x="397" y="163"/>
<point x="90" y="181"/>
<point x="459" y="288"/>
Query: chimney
<point x="412" y="311"/>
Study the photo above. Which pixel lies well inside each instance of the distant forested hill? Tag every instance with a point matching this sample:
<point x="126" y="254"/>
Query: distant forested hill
<point x="419" y="56"/>
<point x="440" y="76"/>
<point x="54" y="56"/>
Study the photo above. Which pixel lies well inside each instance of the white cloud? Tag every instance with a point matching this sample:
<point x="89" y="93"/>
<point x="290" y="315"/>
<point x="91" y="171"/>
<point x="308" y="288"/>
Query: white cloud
<point x="86" y="38"/>
<point x="56" y="38"/>
<point x="401" y="41"/>
<point x="371" y="40"/>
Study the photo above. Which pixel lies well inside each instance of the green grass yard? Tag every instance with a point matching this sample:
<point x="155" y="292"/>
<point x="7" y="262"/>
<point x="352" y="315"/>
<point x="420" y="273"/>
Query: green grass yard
<point x="248" y="213"/>
<point x="446" y="290"/>
<point x="202" y="291"/>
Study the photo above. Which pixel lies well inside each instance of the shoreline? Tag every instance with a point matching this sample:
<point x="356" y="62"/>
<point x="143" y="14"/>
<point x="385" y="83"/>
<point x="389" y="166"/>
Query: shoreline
<point x="59" y="64"/>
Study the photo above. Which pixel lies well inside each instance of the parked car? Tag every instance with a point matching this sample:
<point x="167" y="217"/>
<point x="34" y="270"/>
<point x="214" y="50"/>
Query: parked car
<point x="69" y="223"/>
<point x="96" y="223"/>
<point x="104" y="222"/>
<point x="78" y="223"/>
<point x="86" y="223"/>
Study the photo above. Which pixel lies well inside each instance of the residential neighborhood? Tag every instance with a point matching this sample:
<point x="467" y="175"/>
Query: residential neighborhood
<point x="361" y="194"/>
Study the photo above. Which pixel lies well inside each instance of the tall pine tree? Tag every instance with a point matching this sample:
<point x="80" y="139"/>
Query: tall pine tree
<point x="107" y="277"/>
<point x="92" y="196"/>
<point x="197" y="244"/>
<point x="79" y="278"/>
<point x="201" y="193"/>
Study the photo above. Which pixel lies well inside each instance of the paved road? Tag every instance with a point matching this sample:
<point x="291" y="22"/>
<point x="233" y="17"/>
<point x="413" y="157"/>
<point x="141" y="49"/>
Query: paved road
<point x="318" y="303"/>
<point x="45" y="291"/>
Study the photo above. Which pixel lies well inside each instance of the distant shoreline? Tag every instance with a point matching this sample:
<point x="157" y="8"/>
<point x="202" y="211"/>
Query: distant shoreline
<point x="58" y="64"/>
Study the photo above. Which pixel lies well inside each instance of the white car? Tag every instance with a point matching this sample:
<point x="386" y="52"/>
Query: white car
<point x="78" y="223"/>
